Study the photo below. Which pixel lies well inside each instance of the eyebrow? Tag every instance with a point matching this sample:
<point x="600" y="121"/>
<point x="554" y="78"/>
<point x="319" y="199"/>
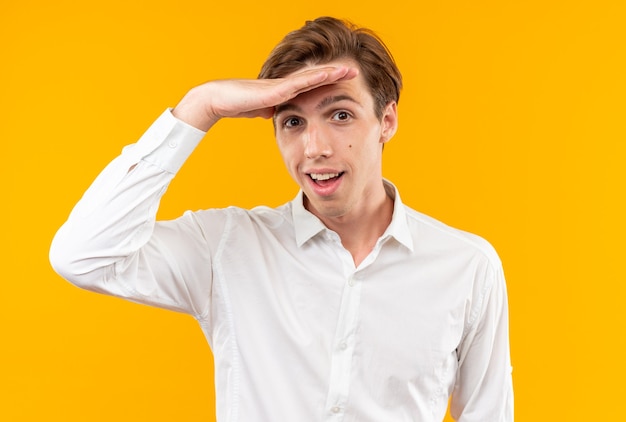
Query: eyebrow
<point x="334" y="99"/>
<point x="324" y="103"/>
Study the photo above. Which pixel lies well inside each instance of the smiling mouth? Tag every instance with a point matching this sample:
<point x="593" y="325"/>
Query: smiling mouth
<point x="324" y="178"/>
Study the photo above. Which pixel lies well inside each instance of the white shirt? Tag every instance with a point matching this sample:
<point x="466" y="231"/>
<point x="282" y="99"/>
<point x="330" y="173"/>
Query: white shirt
<point x="297" y="332"/>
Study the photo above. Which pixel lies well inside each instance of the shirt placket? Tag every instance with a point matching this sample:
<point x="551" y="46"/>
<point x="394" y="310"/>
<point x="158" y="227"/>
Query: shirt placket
<point x="344" y="342"/>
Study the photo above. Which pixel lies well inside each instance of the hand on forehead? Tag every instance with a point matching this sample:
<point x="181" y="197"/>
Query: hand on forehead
<point x="315" y="76"/>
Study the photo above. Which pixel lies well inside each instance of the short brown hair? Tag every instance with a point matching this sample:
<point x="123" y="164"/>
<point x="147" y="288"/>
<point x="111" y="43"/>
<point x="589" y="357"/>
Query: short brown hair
<point x="326" y="39"/>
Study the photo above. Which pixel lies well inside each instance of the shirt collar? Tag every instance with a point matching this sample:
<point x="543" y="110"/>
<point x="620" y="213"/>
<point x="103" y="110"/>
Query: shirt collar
<point x="307" y="225"/>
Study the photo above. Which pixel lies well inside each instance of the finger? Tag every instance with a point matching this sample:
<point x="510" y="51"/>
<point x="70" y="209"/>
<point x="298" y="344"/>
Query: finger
<point x="325" y="75"/>
<point x="310" y="79"/>
<point x="352" y="73"/>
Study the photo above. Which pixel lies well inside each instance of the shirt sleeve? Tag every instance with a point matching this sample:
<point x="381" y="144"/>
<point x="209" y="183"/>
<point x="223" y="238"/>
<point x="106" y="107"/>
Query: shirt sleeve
<point x="111" y="242"/>
<point x="484" y="390"/>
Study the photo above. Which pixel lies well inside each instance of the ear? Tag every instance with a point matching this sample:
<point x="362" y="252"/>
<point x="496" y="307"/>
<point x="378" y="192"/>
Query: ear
<point x="389" y="122"/>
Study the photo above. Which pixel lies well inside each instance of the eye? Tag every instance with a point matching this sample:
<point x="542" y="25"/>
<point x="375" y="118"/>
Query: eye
<point x="341" y="116"/>
<point x="292" y="122"/>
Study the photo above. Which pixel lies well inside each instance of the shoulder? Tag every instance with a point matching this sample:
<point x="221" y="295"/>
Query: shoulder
<point x="430" y="232"/>
<point x="234" y="217"/>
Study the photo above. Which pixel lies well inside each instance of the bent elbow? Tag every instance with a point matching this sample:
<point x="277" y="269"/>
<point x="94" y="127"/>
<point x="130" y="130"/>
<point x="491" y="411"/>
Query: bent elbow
<point x="68" y="263"/>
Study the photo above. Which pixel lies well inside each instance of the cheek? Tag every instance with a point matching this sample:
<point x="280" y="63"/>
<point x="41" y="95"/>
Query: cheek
<point x="365" y="144"/>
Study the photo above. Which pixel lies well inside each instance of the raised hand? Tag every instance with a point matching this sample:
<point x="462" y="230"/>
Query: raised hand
<point x="205" y="104"/>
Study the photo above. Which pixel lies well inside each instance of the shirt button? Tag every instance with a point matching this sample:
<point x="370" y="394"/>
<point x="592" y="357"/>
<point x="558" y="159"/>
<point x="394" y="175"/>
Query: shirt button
<point x="336" y="409"/>
<point x="351" y="281"/>
<point x="343" y="346"/>
<point x="172" y="144"/>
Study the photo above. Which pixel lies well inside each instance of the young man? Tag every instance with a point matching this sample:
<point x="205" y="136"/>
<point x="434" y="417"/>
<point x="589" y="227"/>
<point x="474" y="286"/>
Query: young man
<point x="343" y="304"/>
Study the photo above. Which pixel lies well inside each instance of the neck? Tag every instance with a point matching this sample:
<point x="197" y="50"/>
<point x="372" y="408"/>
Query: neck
<point x="360" y="231"/>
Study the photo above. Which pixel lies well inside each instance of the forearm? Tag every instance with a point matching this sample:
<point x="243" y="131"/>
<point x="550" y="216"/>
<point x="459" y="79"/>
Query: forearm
<point x="116" y="215"/>
<point x="484" y="389"/>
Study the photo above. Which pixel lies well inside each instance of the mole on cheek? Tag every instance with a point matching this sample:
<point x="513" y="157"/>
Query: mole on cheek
<point x="350" y="146"/>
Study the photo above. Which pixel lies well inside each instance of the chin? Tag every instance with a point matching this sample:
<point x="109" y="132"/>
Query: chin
<point x="328" y="211"/>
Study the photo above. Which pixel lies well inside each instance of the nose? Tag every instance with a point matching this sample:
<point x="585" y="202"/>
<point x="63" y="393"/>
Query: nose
<point x="316" y="144"/>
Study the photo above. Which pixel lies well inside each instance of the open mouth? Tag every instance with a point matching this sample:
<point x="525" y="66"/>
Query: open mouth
<point x="323" y="179"/>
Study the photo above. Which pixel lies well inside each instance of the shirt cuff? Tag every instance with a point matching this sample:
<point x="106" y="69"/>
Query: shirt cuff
<point x="167" y="143"/>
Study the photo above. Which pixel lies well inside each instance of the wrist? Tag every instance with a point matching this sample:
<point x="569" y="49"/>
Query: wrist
<point x="194" y="110"/>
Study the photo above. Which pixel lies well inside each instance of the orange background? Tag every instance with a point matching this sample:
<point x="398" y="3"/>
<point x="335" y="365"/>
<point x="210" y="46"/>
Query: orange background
<point x="511" y="126"/>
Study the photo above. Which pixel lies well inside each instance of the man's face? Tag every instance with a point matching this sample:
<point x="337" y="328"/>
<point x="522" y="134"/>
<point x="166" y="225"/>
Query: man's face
<point x="331" y="142"/>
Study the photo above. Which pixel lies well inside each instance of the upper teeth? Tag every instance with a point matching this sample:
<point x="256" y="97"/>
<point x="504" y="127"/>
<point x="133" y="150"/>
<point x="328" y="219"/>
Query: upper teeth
<point x="323" y="176"/>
